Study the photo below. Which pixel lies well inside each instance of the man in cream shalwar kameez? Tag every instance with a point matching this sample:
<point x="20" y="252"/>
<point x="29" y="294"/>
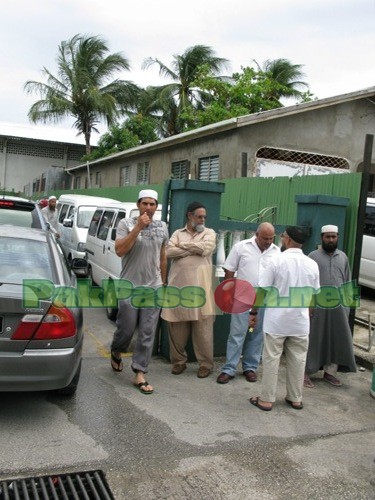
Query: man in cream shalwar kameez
<point x="191" y="249"/>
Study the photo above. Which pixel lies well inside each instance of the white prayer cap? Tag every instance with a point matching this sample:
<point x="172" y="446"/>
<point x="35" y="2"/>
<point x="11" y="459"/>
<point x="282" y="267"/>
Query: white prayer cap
<point x="329" y="228"/>
<point x="148" y="193"/>
<point x="52" y="198"/>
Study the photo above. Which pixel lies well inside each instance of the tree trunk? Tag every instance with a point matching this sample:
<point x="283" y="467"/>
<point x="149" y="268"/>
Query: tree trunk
<point x="87" y="141"/>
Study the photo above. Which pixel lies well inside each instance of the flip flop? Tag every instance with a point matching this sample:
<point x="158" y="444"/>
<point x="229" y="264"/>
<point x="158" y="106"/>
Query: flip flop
<point x="295" y="405"/>
<point x="307" y="382"/>
<point x="118" y="362"/>
<point x="141" y="386"/>
<point x="255" y="401"/>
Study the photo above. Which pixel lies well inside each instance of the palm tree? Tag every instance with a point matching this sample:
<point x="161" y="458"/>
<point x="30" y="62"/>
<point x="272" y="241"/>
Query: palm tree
<point x="173" y="98"/>
<point x="287" y="76"/>
<point x="82" y="87"/>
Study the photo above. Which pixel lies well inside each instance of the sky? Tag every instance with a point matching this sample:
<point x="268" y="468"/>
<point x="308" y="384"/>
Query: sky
<point x="334" y="40"/>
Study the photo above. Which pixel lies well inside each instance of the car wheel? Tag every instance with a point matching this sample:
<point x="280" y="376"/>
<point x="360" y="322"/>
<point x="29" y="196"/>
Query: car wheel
<point x="70" y="389"/>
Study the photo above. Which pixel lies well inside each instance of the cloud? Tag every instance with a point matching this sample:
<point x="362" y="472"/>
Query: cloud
<point x="333" y="40"/>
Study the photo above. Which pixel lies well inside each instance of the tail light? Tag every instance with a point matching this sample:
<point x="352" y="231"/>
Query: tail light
<point x="58" y="323"/>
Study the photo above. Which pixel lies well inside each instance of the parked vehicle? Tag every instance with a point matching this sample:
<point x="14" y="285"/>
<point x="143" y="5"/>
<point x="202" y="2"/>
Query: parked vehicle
<point x="367" y="267"/>
<point x="40" y="342"/>
<point x="103" y="262"/>
<point x="74" y="213"/>
<point x="20" y="212"/>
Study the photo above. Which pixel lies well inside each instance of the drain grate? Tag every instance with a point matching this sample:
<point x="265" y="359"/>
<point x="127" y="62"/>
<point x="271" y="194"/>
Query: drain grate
<point x="91" y="485"/>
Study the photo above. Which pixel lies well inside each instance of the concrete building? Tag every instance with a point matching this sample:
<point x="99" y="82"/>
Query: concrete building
<point x="33" y="161"/>
<point x="317" y="137"/>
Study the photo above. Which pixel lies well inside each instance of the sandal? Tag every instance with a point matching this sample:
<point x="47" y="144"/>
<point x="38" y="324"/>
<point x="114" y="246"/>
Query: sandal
<point x="294" y="404"/>
<point x="255" y="401"/>
<point x="116" y="361"/>
<point x="307" y="382"/>
<point x="142" y="387"/>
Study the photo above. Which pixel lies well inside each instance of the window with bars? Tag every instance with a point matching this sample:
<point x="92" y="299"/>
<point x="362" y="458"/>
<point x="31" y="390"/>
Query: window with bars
<point x="300" y="157"/>
<point x="209" y="168"/>
<point x="125" y="176"/>
<point x="180" y="169"/>
<point x="143" y="172"/>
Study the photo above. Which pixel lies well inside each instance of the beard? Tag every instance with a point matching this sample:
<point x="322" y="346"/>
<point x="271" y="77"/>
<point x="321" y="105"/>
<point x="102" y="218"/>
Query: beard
<point x="198" y="227"/>
<point x="329" y="247"/>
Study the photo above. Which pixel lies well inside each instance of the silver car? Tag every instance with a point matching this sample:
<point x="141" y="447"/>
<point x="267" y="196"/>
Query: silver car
<point x="21" y="212"/>
<point x="40" y="337"/>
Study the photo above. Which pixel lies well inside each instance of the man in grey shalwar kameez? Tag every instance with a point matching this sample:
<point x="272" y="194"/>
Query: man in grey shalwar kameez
<point x="330" y="341"/>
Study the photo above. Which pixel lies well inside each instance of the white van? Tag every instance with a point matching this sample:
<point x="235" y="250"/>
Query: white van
<point x="367" y="267"/>
<point x="74" y="216"/>
<point x="103" y="262"/>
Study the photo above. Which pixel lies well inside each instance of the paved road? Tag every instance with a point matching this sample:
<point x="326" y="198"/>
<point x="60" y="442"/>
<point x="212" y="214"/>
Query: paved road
<point x="193" y="438"/>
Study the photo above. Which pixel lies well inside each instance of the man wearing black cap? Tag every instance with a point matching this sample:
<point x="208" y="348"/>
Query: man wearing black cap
<point x="286" y="320"/>
<point x="191" y="249"/>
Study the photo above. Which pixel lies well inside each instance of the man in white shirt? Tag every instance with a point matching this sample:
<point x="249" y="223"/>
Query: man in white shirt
<point x="290" y="280"/>
<point x="245" y="259"/>
<point x="50" y="215"/>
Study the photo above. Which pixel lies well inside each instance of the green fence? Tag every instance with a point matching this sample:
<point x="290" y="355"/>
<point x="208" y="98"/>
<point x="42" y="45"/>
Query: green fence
<point x="245" y="198"/>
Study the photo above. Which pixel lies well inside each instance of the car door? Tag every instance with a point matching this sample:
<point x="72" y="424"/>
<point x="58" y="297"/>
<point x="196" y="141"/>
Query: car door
<point x="94" y="247"/>
<point x="111" y="261"/>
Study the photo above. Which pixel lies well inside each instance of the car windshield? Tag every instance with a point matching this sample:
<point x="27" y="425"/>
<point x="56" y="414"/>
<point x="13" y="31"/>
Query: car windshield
<point x="23" y="259"/>
<point x="84" y="216"/>
<point x="19" y="213"/>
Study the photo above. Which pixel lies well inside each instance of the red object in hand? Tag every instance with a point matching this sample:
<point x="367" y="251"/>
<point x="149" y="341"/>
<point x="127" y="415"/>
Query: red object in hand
<point x="234" y="296"/>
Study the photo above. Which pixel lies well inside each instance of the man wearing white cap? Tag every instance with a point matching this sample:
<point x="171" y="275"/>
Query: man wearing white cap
<point x="330" y="342"/>
<point x="50" y="215"/>
<point x="140" y="242"/>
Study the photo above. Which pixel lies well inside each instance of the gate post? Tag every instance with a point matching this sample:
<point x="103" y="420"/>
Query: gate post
<point x="317" y="210"/>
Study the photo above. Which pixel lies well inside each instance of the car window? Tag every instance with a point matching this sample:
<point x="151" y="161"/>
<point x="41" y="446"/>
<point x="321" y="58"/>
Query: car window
<point x="84" y="216"/>
<point x="23" y="259"/>
<point x="105" y="224"/>
<point x="70" y="213"/>
<point x="63" y="212"/>
<point x="95" y="222"/>
<point x="369" y="228"/>
<point x="120" y="215"/>
<point x="25" y="214"/>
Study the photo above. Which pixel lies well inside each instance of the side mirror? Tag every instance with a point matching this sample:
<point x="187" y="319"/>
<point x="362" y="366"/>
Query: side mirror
<point x="80" y="267"/>
<point x="67" y="223"/>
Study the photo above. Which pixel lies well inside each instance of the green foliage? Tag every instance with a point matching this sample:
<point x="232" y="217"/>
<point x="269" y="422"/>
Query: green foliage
<point x="174" y="100"/>
<point x="135" y="131"/>
<point x="83" y="87"/>
<point x="249" y="91"/>
<point x="195" y="96"/>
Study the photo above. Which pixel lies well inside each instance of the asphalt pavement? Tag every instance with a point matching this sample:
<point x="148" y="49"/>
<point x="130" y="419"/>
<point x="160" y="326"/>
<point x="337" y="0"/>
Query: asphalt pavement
<point x="193" y="438"/>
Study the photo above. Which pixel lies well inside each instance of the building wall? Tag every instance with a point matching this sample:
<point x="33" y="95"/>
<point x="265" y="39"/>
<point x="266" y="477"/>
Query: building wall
<point x="333" y="131"/>
<point x="22" y="161"/>
<point x="337" y="130"/>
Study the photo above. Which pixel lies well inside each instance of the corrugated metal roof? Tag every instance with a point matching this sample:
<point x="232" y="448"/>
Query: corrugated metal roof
<point x="42" y="133"/>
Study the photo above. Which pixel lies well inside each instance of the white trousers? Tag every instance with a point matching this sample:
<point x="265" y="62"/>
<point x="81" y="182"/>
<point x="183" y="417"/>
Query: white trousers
<point x="295" y="351"/>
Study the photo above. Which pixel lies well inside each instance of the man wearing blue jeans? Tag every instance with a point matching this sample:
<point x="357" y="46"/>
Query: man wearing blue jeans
<point x="245" y="259"/>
